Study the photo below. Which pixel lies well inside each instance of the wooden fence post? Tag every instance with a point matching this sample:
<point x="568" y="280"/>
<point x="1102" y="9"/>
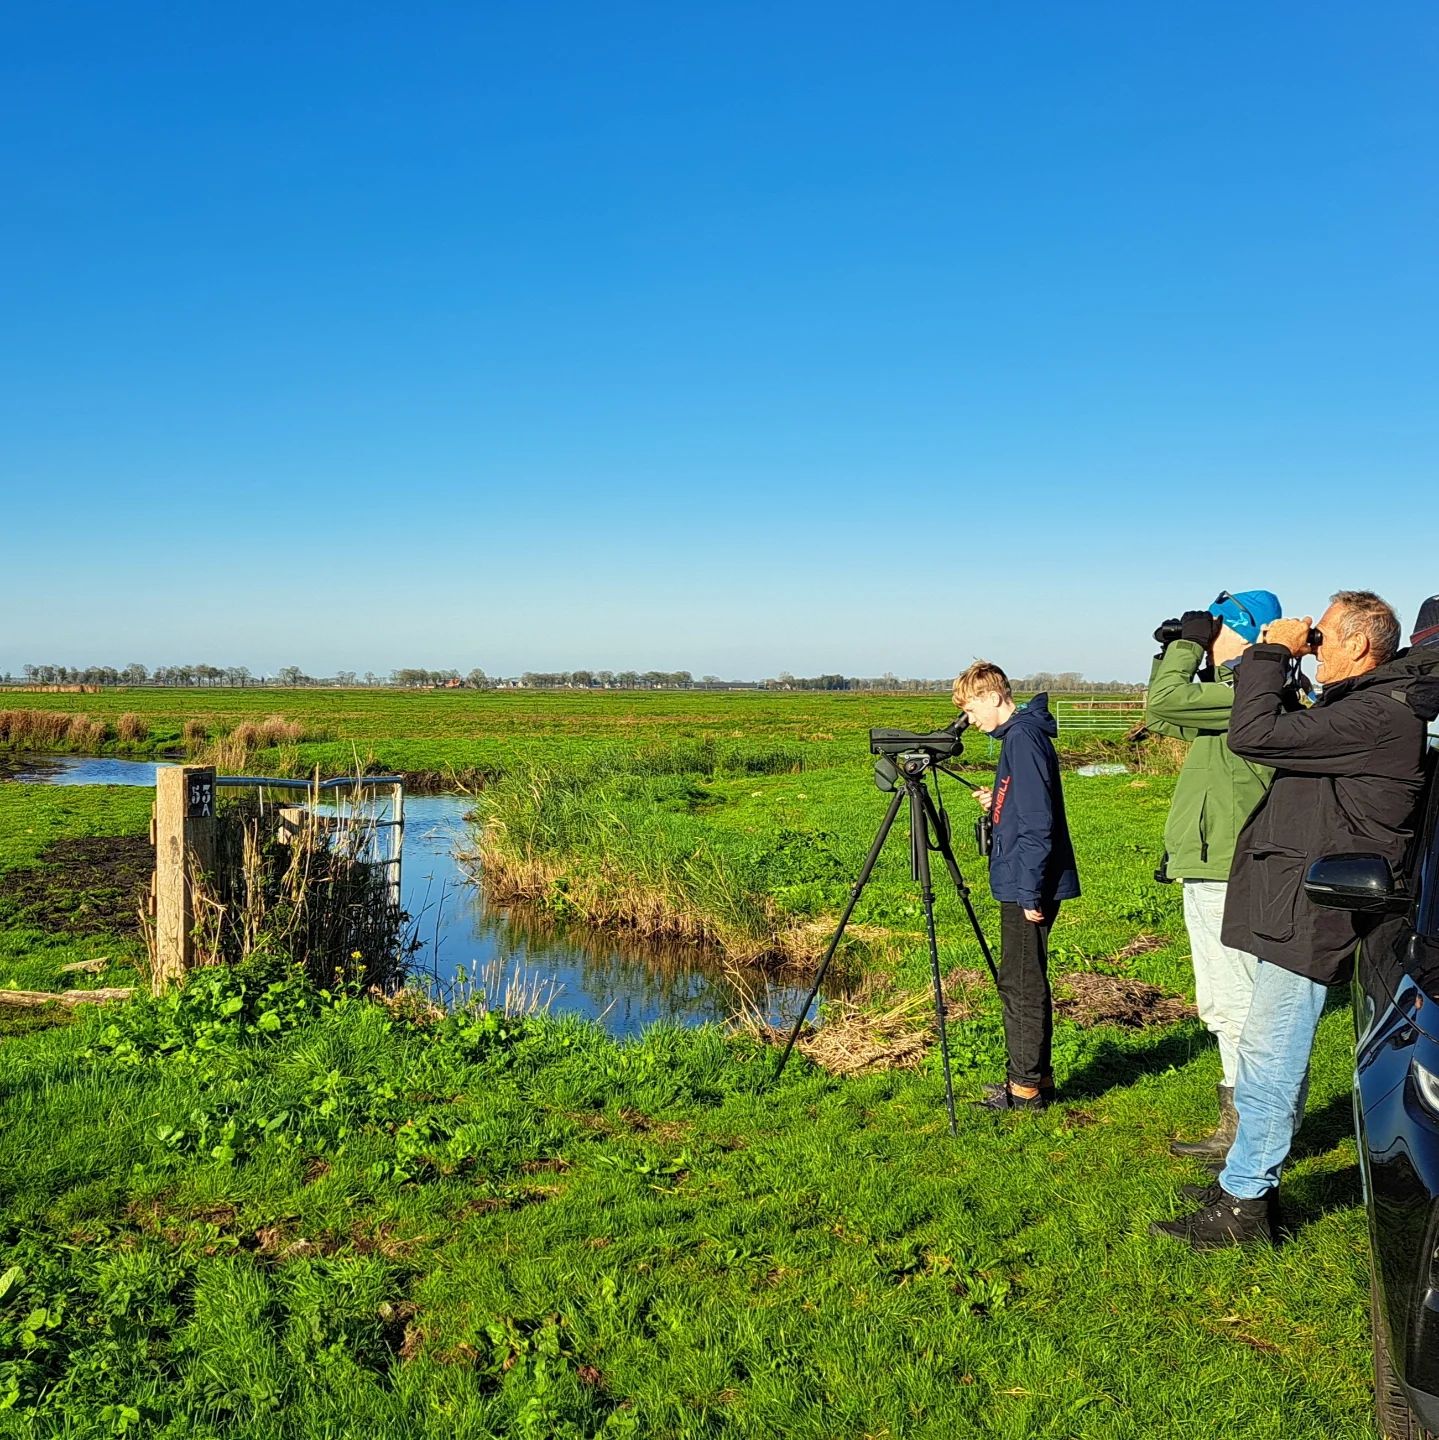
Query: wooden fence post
<point x="184" y="843"/>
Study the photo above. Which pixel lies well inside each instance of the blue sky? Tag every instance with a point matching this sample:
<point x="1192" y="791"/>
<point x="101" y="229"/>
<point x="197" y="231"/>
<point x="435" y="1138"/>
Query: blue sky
<point x="730" y="338"/>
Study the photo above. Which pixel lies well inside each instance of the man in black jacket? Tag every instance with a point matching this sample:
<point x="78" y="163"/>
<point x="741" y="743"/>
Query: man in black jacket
<point x="1347" y="777"/>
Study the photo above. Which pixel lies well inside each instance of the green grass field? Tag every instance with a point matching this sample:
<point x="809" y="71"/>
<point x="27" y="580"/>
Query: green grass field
<point x="257" y="1211"/>
<point x="477" y="735"/>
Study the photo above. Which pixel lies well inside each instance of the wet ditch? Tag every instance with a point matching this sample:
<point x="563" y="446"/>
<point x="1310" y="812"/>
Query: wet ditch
<point x="464" y="941"/>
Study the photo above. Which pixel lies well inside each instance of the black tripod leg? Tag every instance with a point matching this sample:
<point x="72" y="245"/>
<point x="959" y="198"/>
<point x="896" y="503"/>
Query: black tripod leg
<point x="947" y="851"/>
<point x="919" y="845"/>
<point x="880" y="836"/>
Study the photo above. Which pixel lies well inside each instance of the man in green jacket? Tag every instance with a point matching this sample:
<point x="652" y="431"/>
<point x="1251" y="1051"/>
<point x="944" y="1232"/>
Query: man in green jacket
<point x="1216" y="793"/>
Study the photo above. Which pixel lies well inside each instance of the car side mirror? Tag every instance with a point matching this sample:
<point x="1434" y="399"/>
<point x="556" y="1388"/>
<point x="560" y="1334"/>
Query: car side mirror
<point x="1363" y="883"/>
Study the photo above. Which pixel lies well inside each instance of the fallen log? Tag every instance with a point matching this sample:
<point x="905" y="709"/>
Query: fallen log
<point x="34" y="999"/>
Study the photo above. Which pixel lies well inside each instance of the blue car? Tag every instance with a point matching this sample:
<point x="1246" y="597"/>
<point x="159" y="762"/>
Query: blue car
<point x="1396" y="1109"/>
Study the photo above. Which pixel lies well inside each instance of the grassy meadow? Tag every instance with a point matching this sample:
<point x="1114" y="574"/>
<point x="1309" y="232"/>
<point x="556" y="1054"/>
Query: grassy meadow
<point x="464" y="736"/>
<point x="257" y="1209"/>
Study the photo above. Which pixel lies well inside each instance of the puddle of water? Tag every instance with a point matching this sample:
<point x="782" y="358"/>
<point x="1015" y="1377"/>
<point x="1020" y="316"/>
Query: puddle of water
<point x="623" y="984"/>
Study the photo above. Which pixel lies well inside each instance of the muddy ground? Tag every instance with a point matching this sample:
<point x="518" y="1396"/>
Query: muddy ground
<point x="87" y="885"/>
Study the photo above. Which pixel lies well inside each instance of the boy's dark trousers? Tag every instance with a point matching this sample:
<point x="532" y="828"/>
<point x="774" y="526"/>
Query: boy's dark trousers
<point x="1024" y="989"/>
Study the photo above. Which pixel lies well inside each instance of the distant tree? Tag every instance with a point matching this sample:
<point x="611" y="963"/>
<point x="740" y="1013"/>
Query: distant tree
<point x="289" y="675"/>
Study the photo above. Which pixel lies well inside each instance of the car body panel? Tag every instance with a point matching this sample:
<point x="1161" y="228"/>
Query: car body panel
<point x="1396" y="1113"/>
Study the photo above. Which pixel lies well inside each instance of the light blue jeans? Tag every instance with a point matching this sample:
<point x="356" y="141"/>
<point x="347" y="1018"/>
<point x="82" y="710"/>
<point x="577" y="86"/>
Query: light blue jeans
<point x="1273" y="1077"/>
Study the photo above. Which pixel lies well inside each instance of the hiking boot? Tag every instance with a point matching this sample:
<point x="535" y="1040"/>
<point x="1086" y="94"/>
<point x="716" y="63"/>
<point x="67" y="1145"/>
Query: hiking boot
<point x="1213" y="1147"/>
<point x="1001" y="1097"/>
<point x="1202" y="1194"/>
<point x="1206" y="1195"/>
<point x="1227" y="1221"/>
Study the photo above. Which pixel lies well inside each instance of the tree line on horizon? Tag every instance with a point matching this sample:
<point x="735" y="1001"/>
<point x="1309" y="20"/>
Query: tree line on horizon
<point x="417" y="677"/>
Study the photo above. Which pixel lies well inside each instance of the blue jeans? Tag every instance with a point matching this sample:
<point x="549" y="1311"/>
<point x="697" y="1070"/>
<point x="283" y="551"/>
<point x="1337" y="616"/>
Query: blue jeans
<point x="1273" y="1070"/>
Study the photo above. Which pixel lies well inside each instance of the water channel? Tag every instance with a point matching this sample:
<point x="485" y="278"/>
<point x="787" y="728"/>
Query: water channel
<point x="623" y="984"/>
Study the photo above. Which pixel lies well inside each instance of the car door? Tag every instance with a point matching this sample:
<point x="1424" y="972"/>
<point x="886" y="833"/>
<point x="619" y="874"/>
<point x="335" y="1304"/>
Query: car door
<point x="1396" y="1110"/>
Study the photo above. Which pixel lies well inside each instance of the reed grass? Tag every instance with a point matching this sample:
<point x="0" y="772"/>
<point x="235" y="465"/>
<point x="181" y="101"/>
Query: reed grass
<point x="131" y="729"/>
<point x="234" y="752"/>
<point x="50" y="730"/>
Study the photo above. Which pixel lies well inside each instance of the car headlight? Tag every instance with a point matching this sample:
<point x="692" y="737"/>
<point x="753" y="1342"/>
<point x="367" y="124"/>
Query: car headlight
<point x="1426" y="1082"/>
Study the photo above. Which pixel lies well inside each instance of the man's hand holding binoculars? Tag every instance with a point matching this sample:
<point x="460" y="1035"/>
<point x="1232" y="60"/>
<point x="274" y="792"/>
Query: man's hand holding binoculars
<point x="1298" y="637"/>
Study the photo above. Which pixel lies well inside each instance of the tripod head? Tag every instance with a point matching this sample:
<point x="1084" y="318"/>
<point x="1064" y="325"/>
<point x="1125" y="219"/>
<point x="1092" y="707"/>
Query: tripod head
<point x="904" y="752"/>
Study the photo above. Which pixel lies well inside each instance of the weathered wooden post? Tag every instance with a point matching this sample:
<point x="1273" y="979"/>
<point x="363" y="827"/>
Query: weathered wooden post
<point x="184" y="846"/>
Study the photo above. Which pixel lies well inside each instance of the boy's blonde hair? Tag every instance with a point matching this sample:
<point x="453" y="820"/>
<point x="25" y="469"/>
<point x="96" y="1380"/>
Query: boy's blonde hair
<point x="982" y="678"/>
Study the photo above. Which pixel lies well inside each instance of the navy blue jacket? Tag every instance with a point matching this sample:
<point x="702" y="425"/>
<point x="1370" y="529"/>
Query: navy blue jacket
<point x="1031" y="859"/>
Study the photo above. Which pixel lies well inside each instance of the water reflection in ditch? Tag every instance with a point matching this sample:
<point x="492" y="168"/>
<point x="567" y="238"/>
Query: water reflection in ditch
<point x="622" y="982"/>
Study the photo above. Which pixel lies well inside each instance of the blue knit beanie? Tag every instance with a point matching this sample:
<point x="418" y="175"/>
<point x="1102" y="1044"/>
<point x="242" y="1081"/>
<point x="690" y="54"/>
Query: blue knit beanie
<point x="1246" y="612"/>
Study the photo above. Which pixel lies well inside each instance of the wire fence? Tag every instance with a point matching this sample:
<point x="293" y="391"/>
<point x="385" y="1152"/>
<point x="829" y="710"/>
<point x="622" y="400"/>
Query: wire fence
<point x="1096" y="716"/>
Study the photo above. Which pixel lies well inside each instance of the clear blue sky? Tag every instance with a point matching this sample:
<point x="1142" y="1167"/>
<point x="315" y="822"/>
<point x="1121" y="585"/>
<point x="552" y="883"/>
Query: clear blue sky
<point x="731" y="337"/>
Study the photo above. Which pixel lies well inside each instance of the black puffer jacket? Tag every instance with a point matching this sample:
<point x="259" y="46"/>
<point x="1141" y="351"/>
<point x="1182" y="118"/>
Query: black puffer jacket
<point x="1347" y="775"/>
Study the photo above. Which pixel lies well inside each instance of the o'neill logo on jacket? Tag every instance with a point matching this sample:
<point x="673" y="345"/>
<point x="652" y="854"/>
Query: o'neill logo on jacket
<point x="999" y="799"/>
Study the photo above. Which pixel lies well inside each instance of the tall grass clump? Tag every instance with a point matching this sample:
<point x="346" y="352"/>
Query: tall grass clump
<point x="589" y="842"/>
<point x="131" y="728"/>
<point x="50" y="730"/>
<point x="86" y="733"/>
<point x="234" y="753"/>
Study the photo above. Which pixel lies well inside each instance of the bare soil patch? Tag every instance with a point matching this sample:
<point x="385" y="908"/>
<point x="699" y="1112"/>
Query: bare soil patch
<point x="86" y="885"/>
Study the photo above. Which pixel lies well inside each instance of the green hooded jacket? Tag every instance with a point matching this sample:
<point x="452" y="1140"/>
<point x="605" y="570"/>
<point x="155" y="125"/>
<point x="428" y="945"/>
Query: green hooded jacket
<point x="1217" y="791"/>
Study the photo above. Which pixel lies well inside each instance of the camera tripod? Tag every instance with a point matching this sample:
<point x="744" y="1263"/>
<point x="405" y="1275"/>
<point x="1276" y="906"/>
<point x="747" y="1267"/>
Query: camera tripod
<point x="909" y="772"/>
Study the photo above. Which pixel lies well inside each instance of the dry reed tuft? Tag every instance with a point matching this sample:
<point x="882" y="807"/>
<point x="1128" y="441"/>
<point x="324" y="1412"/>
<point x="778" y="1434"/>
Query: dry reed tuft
<point x="194" y="733"/>
<point x="857" y="1040"/>
<point x="131" y="728"/>
<point x="1141" y="944"/>
<point x="36" y="729"/>
<point x="85" y="733"/>
<point x="229" y="755"/>
<point x="233" y="754"/>
<point x="276" y="730"/>
<point x="50" y="730"/>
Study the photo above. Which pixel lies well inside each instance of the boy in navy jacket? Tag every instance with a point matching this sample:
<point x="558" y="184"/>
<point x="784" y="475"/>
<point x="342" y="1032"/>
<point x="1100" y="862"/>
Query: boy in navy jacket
<point x="1031" y="869"/>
